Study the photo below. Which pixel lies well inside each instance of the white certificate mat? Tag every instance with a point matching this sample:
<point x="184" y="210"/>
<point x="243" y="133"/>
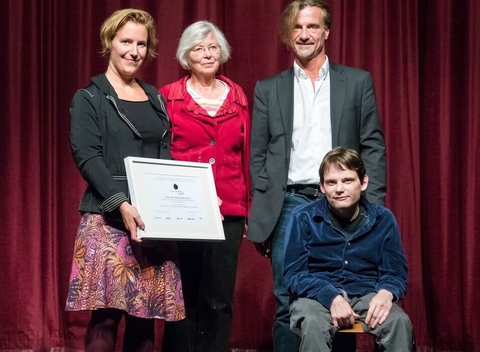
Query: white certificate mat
<point x="176" y="199"/>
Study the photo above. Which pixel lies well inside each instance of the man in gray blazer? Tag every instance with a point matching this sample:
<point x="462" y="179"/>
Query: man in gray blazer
<point x="299" y="115"/>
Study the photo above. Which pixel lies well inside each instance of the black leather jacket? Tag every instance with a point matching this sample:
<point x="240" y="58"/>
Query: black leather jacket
<point x="101" y="137"/>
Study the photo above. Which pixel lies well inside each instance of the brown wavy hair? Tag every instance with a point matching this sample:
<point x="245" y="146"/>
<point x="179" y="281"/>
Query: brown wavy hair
<point x="290" y="14"/>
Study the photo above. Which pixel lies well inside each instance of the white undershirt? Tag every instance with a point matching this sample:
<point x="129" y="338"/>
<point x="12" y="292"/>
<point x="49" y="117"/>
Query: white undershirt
<point x="312" y="128"/>
<point x="210" y="105"/>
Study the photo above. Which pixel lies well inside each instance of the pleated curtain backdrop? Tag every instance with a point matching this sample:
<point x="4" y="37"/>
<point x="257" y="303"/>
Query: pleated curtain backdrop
<point x="423" y="57"/>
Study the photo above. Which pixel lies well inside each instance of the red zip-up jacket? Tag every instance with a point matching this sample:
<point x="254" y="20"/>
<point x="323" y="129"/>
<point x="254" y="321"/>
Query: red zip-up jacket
<point x="222" y="140"/>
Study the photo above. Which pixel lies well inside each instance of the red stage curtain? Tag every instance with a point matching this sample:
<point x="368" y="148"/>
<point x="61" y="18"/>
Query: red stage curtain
<point x="423" y="57"/>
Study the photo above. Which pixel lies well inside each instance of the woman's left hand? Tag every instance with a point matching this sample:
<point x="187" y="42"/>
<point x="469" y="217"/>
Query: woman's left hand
<point x="219" y="205"/>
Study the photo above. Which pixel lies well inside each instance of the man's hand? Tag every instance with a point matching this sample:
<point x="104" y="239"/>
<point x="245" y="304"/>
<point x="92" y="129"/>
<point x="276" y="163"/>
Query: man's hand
<point x="379" y="308"/>
<point x="132" y="220"/>
<point x="264" y="248"/>
<point x="343" y="315"/>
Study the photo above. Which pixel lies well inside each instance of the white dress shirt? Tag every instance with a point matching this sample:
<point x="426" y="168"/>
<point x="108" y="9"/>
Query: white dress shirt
<point x="312" y="128"/>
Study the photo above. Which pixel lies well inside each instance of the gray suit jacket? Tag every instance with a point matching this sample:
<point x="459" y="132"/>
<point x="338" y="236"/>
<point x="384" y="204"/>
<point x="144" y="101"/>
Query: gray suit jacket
<point x="355" y="124"/>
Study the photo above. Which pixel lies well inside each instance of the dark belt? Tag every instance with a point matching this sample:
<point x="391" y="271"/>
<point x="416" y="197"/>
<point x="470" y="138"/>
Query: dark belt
<point x="309" y="190"/>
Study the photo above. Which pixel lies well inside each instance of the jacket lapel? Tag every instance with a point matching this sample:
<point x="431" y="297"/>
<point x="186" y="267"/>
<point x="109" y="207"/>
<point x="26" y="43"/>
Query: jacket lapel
<point x="338" y="86"/>
<point x="285" y="102"/>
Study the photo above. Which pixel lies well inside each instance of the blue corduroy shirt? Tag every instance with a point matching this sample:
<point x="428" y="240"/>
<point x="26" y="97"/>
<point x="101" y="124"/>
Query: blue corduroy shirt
<point x="320" y="261"/>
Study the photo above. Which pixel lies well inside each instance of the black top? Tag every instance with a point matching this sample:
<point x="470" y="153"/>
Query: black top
<point x="146" y="121"/>
<point x="348" y="228"/>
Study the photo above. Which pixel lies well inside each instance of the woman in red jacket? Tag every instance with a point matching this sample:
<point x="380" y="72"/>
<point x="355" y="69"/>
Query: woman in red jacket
<point x="210" y="123"/>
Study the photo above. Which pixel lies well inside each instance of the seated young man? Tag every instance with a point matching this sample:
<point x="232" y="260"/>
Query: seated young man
<point x="344" y="261"/>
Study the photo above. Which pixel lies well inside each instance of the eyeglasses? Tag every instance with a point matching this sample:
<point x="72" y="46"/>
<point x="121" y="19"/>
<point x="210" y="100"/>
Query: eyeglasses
<point x="200" y="50"/>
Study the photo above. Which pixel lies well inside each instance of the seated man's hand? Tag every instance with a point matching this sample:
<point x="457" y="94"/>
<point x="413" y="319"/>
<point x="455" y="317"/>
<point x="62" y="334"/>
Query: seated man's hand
<point x="379" y="308"/>
<point x="343" y="315"/>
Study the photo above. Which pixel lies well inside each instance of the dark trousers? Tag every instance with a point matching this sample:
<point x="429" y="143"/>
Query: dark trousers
<point x="208" y="271"/>
<point x="313" y="323"/>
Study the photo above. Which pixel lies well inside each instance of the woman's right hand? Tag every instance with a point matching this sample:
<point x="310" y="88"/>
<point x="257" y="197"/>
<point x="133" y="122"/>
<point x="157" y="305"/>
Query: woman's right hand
<point x="132" y="220"/>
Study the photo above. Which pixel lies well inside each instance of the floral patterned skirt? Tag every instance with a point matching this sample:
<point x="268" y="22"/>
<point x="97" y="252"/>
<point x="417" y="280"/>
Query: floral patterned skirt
<point x="110" y="271"/>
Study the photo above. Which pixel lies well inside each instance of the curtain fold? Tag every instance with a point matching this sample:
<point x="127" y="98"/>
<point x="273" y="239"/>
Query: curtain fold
<point x="449" y="135"/>
<point x="423" y="58"/>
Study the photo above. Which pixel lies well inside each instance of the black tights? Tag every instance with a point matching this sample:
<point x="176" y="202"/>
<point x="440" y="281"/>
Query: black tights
<point x="102" y="330"/>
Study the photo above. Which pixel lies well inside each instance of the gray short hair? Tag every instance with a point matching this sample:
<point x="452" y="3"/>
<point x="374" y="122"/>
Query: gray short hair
<point x="194" y="35"/>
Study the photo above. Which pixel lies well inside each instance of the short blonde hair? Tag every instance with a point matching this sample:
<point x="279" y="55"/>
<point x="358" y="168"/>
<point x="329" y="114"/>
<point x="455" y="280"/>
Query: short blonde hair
<point x="195" y="34"/>
<point x="118" y="19"/>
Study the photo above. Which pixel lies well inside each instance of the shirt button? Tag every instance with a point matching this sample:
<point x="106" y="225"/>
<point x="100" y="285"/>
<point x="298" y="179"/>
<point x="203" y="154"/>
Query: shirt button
<point x="211" y="161"/>
<point x="212" y="142"/>
<point x="349" y="243"/>
<point x="346" y="261"/>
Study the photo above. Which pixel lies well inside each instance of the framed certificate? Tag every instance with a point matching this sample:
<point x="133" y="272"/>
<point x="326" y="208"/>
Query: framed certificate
<point x="177" y="200"/>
